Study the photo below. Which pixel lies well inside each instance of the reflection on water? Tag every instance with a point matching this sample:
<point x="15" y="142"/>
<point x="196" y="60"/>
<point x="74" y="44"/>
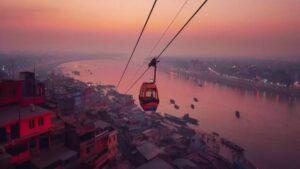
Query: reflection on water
<point x="268" y="127"/>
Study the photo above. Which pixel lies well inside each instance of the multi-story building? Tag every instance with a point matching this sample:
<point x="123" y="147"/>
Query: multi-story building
<point x="95" y="140"/>
<point x="24" y="131"/>
<point x="29" y="132"/>
<point x="25" y="91"/>
<point x="24" y="127"/>
<point x="32" y="133"/>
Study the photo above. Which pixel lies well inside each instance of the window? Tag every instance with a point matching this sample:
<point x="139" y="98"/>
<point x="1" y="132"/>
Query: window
<point x="15" y="131"/>
<point x="88" y="150"/>
<point x="3" y="135"/>
<point x="150" y="93"/>
<point x="16" y="150"/>
<point x="1" y="93"/>
<point x="13" y="92"/>
<point x="32" y="143"/>
<point x="41" y="121"/>
<point x="44" y="141"/>
<point x="31" y="124"/>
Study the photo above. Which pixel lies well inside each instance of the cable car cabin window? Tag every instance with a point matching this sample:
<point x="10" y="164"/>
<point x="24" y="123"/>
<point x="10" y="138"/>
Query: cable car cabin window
<point x="151" y="93"/>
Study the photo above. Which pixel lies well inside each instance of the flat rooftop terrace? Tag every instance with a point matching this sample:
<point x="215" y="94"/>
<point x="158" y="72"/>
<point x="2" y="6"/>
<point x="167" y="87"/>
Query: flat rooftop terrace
<point x="13" y="113"/>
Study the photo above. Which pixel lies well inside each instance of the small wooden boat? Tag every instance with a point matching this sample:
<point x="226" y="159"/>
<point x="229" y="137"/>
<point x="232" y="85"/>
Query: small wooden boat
<point x="195" y="99"/>
<point x="172" y="101"/>
<point x="237" y="114"/>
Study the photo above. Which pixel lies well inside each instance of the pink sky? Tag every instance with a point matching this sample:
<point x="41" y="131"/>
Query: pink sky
<point x="264" y="28"/>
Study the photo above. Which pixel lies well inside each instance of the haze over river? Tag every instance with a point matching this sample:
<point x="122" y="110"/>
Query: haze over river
<point x="269" y="126"/>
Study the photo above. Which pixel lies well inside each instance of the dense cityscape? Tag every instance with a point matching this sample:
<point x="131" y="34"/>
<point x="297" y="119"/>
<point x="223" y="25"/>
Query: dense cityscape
<point x="62" y="122"/>
<point x="149" y="84"/>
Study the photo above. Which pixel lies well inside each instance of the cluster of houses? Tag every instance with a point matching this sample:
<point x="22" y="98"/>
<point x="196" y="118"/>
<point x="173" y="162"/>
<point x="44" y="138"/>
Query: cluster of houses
<point x="63" y="123"/>
<point x="35" y="134"/>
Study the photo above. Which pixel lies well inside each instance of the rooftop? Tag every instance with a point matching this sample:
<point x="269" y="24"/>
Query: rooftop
<point x="156" y="164"/>
<point x="52" y="156"/>
<point x="101" y="124"/>
<point x="182" y="163"/>
<point x="13" y="113"/>
<point x="86" y="124"/>
<point x="149" y="150"/>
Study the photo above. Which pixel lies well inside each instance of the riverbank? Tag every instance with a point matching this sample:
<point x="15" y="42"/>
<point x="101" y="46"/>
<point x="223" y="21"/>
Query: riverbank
<point x="271" y="89"/>
<point x="171" y="141"/>
<point x="266" y="128"/>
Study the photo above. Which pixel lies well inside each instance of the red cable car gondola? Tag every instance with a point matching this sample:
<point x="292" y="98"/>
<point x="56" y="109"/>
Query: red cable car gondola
<point x="148" y="96"/>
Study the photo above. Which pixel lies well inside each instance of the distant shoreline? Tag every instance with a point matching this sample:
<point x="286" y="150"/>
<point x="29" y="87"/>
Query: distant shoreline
<point x="238" y="83"/>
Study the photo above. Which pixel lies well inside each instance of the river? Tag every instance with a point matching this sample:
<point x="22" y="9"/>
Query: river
<point x="269" y="126"/>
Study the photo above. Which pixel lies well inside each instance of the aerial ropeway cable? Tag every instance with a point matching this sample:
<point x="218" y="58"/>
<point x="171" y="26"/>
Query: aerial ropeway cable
<point x="162" y="36"/>
<point x="182" y="28"/>
<point x="148" y="96"/>
<point x="167" y="29"/>
<point x="136" y="44"/>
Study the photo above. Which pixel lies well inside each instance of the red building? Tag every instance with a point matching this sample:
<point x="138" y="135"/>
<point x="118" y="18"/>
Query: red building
<point x="96" y="142"/>
<point x="25" y="91"/>
<point x="31" y="132"/>
<point x="24" y="131"/>
<point x="24" y="127"/>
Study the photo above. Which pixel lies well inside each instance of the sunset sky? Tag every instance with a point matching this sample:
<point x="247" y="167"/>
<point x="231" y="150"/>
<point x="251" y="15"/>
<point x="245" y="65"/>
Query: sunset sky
<point x="237" y="28"/>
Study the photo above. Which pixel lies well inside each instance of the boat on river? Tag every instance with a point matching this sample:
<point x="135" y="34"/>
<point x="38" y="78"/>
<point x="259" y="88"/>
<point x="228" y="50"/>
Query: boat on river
<point x="237" y="114"/>
<point x="192" y="106"/>
<point x="172" y="101"/>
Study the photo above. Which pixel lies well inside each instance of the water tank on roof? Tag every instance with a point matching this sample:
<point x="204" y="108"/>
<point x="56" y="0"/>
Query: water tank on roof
<point x="28" y="84"/>
<point x="26" y="75"/>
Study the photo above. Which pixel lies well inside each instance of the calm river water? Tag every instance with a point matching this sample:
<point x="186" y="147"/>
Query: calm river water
<point x="269" y="127"/>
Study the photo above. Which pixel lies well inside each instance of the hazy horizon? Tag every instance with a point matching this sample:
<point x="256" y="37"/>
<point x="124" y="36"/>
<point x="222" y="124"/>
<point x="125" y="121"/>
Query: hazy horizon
<point x="235" y="29"/>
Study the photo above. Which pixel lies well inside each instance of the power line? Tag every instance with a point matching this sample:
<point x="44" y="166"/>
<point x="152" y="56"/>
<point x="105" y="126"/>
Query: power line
<point x="163" y="34"/>
<point x="168" y="27"/>
<point x="170" y="42"/>
<point x="136" y="44"/>
<point x="137" y="80"/>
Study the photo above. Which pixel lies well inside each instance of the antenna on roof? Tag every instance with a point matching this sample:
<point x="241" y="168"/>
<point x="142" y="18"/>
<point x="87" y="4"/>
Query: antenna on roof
<point x="13" y="69"/>
<point x="34" y="84"/>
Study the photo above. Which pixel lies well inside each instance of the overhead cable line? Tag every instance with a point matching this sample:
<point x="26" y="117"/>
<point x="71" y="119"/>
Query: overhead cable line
<point x="170" y="42"/>
<point x="136" y="44"/>
<point x="168" y="27"/>
<point x="137" y="80"/>
<point x="163" y="35"/>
